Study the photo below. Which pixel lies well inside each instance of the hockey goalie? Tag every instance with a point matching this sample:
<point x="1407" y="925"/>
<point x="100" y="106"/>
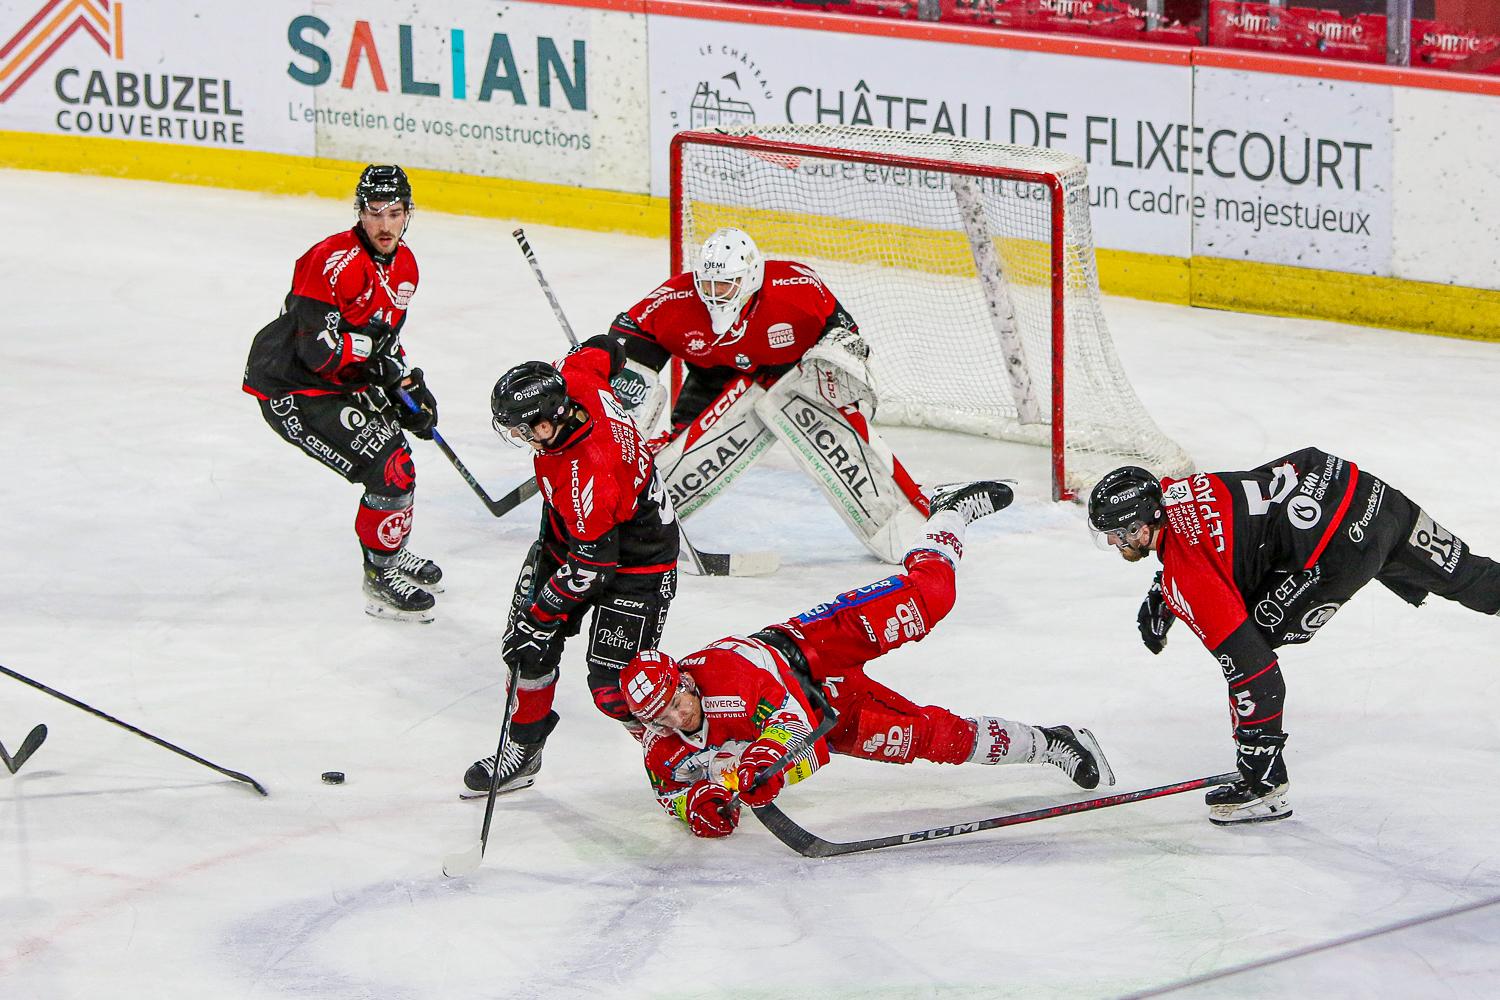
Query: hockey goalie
<point x="770" y="355"/>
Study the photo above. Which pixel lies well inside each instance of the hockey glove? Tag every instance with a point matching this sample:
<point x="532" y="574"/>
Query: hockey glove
<point x="1155" y="618"/>
<point x="759" y="759"/>
<point x="382" y="370"/>
<point x="706" y="810"/>
<point x="527" y="643"/>
<point x="420" y="421"/>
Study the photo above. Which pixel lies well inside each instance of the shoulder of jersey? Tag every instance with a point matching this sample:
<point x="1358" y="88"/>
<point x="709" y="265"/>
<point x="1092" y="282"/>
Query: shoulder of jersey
<point x="335" y="253"/>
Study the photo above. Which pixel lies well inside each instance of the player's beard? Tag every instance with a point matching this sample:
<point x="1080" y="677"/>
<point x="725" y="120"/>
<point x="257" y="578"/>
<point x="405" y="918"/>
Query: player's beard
<point x="1134" y="553"/>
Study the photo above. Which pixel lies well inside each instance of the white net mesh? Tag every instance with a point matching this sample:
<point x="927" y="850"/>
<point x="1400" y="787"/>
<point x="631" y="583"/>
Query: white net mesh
<point x="948" y="272"/>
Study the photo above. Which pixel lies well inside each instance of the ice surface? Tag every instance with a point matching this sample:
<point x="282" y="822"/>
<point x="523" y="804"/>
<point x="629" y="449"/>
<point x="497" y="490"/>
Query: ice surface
<point x="167" y="559"/>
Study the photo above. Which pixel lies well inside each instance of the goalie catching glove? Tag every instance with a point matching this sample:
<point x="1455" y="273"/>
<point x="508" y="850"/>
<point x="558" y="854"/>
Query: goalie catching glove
<point x="839" y="364"/>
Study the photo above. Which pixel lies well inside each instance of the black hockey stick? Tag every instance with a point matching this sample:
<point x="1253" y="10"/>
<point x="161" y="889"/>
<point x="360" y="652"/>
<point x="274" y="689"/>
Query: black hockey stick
<point x="810" y="845"/>
<point x="236" y="775"/>
<point x="28" y="747"/>
<point x="499" y="507"/>
<point x="705" y="563"/>
<point x="468" y="862"/>
<point x="830" y="719"/>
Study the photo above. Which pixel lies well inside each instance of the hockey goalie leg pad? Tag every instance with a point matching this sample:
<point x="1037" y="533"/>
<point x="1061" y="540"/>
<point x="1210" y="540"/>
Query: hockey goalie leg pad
<point x="727" y="438"/>
<point x="851" y="465"/>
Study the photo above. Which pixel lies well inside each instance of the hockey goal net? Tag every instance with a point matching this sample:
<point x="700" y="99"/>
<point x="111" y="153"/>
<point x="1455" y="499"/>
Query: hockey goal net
<point x="968" y="265"/>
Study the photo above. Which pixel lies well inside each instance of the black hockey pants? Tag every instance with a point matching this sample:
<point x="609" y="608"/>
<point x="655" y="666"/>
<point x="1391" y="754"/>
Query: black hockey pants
<point x="1384" y="537"/>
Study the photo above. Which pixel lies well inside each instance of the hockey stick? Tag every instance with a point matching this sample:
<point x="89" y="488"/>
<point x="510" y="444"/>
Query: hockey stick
<point x="810" y="845"/>
<point x="705" y="563"/>
<point x="830" y="719"/>
<point x="236" y="775"/>
<point x="28" y="747"/>
<point x="499" y="507"/>
<point x="467" y="862"/>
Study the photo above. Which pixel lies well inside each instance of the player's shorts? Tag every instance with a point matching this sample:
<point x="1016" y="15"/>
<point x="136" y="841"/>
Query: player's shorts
<point x="861" y="624"/>
<point x="350" y="434"/>
<point x="1384" y="537"/>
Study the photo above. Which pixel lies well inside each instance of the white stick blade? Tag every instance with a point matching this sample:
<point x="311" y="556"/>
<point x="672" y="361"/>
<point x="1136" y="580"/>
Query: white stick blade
<point x="754" y="563"/>
<point x="463" y="863"/>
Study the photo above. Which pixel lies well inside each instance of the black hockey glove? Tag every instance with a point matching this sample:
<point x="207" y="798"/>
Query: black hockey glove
<point x="379" y="370"/>
<point x="527" y="643"/>
<point x="1155" y="618"/>
<point x="421" y="420"/>
<point x="382" y="337"/>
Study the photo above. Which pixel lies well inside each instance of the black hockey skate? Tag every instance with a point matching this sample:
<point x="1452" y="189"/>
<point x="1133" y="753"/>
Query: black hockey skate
<point x="1077" y="755"/>
<point x="519" y="764"/>
<point x="423" y="572"/>
<point x="972" y="500"/>
<point x="389" y="594"/>
<point x="1238" y="802"/>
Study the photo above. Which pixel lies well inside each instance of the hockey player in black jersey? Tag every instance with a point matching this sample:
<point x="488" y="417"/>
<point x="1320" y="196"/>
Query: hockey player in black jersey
<point x="1256" y="560"/>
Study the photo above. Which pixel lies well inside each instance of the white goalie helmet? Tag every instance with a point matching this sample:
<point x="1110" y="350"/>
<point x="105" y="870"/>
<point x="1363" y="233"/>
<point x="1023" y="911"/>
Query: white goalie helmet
<point x="730" y="271"/>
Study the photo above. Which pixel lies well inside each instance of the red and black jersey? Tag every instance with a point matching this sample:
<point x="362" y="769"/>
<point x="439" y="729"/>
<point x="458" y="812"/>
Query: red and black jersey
<point x="787" y="316"/>
<point x="337" y="288"/>
<point x="605" y="510"/>
<point x="748" y="692"/>
<point x="1227" y="532"/>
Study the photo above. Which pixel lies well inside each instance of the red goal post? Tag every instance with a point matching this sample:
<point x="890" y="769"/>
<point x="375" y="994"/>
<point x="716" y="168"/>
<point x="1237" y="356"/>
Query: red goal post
<point x="968" y="265"/>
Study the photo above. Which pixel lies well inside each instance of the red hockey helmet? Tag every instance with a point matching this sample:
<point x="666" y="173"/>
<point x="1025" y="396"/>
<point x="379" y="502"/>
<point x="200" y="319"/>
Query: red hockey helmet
<point x="650" y="682"/>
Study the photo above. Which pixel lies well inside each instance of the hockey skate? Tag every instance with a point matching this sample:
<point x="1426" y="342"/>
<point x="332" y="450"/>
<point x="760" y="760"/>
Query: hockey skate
<point x="389" y="594"/>
<point x="423" y="572"/>
<point x="519" y="764"/>
<point x="1075" y="754"/>
<point x="972" y="500"/>
<point x="1237" y="802"/>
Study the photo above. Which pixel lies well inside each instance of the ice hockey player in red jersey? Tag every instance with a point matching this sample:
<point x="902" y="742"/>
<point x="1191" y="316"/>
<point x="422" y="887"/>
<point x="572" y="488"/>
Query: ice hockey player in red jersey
<point x="716" y="719"/>
<point x="770" y="354"/>
<point x="325" y="372"/>
<point x="1256" y="560"/>
<point x="608" y="544"/>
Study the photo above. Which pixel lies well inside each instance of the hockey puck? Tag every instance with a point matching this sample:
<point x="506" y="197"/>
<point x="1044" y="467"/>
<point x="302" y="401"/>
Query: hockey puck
<point x="333" y="777"/>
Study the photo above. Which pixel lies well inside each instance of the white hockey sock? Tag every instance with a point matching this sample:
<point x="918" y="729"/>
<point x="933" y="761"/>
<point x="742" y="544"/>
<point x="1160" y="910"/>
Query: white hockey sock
<point x="943" y="534"/>
<point x="1000" y="741"/>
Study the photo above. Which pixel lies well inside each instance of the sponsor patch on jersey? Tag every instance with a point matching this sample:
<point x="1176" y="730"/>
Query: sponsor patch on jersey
<point x="724" y="704"/>
<point x="1179" y="492"/>
<point x="697" y="344"/>
<point x="402" y="296"/>
<point x="781" y="335"/>
<point x="1304" y="512"/>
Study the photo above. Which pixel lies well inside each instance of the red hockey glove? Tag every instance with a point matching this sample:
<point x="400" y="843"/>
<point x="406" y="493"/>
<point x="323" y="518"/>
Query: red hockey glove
<point x="705" y="810"/>
<point x="755" y="761"/>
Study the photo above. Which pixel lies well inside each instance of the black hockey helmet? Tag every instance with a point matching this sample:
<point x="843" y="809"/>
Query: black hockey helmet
<point x="1124" y="500"/>
<point x="381" y="183"/>
<point x="529" y="392"/>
